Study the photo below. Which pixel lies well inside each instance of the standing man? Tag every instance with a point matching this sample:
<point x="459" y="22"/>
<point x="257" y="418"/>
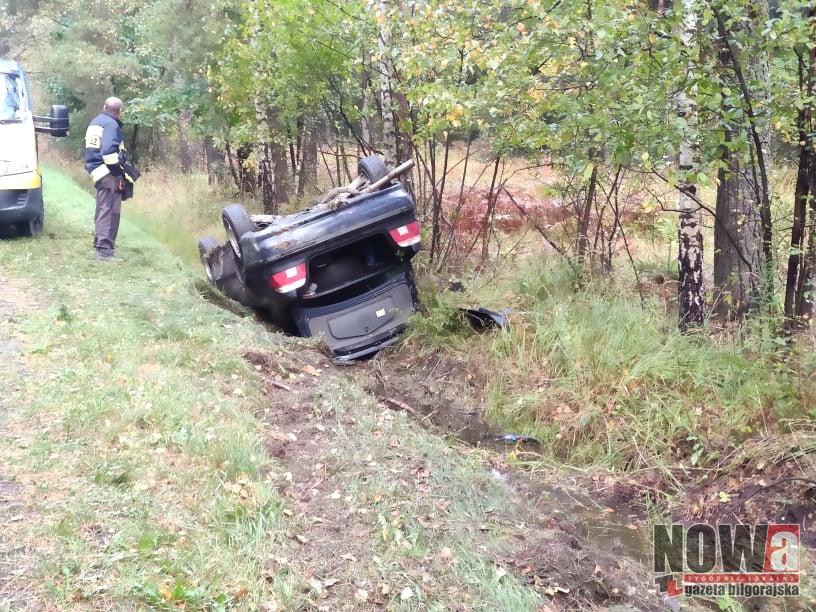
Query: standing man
<point x="104" y="159"/>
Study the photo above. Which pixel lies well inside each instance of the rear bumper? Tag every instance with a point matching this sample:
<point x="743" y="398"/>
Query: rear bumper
<point x="20" y="205"/>
<point x="364" y="324"/>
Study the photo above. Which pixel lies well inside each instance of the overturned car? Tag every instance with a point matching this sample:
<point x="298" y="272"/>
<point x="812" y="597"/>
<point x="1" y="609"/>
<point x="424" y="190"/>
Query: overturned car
<point x="340" y="270"/>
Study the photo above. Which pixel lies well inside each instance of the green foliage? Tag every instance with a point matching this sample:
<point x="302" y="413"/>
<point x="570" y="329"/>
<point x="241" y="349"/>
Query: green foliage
<point x="601" y="379"/>
<point x="289" y="60"/>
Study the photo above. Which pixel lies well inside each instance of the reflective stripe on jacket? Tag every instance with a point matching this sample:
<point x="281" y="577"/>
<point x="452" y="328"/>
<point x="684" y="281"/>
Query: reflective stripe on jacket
<point x="104" y="147"/>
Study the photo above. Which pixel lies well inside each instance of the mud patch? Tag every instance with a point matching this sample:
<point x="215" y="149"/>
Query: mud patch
<point x="445" y="395"/>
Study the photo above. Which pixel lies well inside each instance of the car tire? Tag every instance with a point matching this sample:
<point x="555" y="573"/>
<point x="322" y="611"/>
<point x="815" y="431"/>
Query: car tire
<point x="205" y="245"/>
<point x="32" y="227"/>
<point x="373" y="168"/>
<point x="237" y="223"/>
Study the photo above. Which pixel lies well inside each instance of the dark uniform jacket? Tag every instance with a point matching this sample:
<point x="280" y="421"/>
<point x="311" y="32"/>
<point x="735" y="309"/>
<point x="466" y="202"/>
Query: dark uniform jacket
<point x="104" y="147"/>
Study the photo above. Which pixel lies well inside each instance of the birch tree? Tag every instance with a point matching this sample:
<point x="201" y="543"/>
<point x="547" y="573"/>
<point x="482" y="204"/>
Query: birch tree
<point x="690" y="286"/>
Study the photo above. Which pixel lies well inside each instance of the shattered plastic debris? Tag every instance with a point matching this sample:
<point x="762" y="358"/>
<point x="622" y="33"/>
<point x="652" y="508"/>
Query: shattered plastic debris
<point x="482" y="318"/>
<point x="513" y="438"/>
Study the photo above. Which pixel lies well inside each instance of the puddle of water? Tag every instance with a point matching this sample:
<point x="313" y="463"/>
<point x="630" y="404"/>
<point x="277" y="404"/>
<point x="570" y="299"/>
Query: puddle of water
<point x="609" y="529"/>
<point x="616" y="530"/>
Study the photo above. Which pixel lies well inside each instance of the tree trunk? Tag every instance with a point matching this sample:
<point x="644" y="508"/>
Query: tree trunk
<point x="690" y="283"/>
<point x="216" y="171"/>
<point x="307" y="174"/>
<point x="582" y="241"/>
<point x="272" y="165"/>
<point x="743" y="259"/>
<point x="388" y="124"/>
<point x="799" y="301"/>
<point x="186" y="149"/>
<point x="737" y="240"/>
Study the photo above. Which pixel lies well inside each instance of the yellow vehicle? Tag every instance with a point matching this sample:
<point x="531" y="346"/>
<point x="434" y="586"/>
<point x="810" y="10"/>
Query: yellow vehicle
<point x="21" y="202"/>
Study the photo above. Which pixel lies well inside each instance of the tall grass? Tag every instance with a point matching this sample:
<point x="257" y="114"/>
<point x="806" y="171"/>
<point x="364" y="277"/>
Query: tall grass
<point x="604" y="378"/>
<point x="176" y="209"/>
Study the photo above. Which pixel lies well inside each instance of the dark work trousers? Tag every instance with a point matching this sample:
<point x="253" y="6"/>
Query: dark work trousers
<point x="108" y="211"/>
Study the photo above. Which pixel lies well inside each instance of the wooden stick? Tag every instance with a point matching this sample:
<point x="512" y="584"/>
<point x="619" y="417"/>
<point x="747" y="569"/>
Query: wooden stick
<point x="403" y="167"/>
<point x="279" y="385"/>
<point x="395" y="404"/>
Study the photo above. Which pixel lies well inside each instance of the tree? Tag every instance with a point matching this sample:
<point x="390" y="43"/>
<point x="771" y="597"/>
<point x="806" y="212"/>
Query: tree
<point x="690" y="283"/>
<point x="294" y="64"/>
<point x="743" y="256"/>
<point x="799" y="285"/>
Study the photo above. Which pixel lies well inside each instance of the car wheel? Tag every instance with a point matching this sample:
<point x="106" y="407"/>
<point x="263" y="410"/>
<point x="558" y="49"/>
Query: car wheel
<point x="32" y="227"/>
<point x="236" y="223"/>
<point x="205" y="245"/>
<point x="373" y="168"/>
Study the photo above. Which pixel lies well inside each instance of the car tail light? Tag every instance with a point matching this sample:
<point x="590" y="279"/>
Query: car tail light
<point x="289" y="279"/>
<point x="406" y="235"/>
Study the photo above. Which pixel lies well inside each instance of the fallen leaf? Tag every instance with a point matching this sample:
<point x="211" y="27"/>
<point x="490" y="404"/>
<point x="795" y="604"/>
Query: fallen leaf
<point x="443" y="504"/>
<point x="330" y="582"/>
<point x="361" y="595"/>
<point x="427" y="522"/>
<point x="165" y="591"/>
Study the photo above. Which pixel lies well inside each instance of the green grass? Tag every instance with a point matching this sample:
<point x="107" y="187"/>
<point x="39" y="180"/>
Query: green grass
<point x="142" y="473"/>
<point x="137" y="437"/>
<point x="606" y="380"/>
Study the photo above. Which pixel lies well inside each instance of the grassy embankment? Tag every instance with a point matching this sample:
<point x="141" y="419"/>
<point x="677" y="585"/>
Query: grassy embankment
<point x="134" y="473"/>
<point x="591" y="367"/>
<point x="154" y="468"/>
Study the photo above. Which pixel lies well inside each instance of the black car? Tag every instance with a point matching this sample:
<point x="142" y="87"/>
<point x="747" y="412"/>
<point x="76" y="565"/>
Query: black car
<point x="340" y="270"/>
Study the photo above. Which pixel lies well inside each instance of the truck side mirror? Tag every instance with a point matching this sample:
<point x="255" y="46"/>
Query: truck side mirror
<point x="58" y="122"/>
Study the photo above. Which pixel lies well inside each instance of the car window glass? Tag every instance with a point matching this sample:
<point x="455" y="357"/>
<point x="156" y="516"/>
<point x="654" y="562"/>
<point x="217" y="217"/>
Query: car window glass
<point x="9" y="98"/>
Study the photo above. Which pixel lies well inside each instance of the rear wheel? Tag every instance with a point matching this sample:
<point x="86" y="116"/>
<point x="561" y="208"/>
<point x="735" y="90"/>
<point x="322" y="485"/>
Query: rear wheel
<point x="373" y="168"/>
<point x="237" y="223"/>
<point x="32" y="227"/>
<point x="205" y="245"/>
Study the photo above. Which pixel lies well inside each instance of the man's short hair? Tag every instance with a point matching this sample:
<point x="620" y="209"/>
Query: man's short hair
<point x="113" y="104"/>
